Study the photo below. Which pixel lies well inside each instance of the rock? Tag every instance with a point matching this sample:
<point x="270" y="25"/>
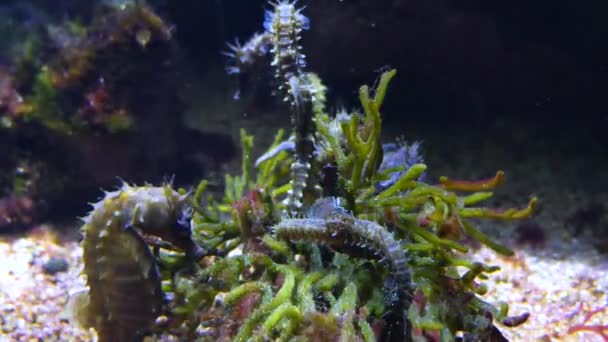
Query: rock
<point x="55" y="265"/>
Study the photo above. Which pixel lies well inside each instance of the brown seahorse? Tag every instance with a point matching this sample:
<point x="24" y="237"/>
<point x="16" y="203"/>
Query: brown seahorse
<point x="124" y="296"/>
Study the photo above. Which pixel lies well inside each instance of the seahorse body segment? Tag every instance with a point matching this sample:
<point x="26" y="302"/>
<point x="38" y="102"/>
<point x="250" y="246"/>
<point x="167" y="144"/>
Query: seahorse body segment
<point x="285" y="24"/>
<point x="125" y="296"/>
<point x="331" y="225"/>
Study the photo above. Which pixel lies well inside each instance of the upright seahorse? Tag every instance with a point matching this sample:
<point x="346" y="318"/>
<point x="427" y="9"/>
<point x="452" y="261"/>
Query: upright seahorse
<point x="124" y="296"/>
<point x="284" y="24"/>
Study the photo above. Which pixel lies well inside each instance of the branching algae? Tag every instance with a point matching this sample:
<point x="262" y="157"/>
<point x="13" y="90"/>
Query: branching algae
<point x="329" y="236"/>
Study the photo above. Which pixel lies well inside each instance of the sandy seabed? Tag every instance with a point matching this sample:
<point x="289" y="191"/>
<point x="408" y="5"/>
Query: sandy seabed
<point x="558" y="290"/>
<point x="31" y="301"/>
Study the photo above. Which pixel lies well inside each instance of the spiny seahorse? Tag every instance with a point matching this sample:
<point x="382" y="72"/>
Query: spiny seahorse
<point x="124" y="295"/>
<point x="331" y="225"/>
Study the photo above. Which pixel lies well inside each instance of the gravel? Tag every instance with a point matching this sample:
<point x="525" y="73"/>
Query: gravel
<point x="32" y="301"/>
<point x="556" y="287"/>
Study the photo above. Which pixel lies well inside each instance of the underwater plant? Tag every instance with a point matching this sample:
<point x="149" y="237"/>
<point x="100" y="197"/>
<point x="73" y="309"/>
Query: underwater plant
<point x="71" y="97"/>
<point x="329" y="235"/>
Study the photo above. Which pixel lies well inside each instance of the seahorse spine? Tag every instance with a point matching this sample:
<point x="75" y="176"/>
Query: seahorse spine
<point x="285" y="24"/>
<point x="331" y="225"/>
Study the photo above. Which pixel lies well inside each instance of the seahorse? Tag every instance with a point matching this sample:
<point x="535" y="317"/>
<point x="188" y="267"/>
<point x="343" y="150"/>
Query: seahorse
<point x="331" y="225"/>
<point x="284" y="24"/>
<point x="124" y="295"/>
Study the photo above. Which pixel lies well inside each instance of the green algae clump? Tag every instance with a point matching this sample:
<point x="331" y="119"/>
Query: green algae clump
<point x="327" y="269"/>
<point x="329" y="235"/>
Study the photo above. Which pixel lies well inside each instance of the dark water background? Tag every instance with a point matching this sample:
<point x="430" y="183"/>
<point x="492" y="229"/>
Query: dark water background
<point x="520" y="86"/>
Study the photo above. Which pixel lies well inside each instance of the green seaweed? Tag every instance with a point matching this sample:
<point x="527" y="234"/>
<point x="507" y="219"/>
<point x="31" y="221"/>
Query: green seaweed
<point x="415" y="211"/>
<point x="309" y="290"/>
<point x="44" y="105"/>
<point x="301" y="284"/>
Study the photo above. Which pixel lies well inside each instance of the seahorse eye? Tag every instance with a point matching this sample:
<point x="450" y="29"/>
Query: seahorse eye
<point x="182" y="224"/>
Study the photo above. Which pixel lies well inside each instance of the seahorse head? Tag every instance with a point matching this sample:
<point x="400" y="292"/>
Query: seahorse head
<point x="162" y="212"/>
<point x="180" y="231"/>
<point x="179" y="228"/>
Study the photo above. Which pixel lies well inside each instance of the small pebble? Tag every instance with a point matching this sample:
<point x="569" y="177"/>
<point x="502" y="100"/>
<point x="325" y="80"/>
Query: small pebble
<point x="55" y="265"/>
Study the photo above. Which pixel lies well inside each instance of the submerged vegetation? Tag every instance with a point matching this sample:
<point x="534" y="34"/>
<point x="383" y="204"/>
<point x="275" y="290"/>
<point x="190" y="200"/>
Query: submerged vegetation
<point x="330" y="235"/>
<point x="87" y="97"/>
